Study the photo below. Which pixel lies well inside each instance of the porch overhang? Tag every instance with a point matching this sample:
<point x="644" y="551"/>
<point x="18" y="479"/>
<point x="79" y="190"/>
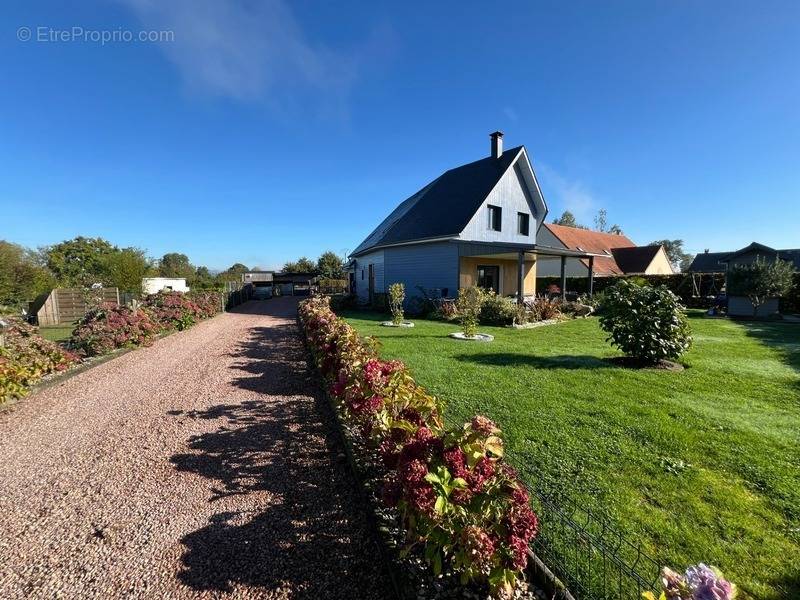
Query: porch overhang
<point x="513" y="249"/>
<point x="525" y="252"/>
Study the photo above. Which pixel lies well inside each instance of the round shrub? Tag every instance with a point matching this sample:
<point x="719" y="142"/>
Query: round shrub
<point x="172" y="310"/>
<point x="497" y="310"/>
<point x="646" y="323"/>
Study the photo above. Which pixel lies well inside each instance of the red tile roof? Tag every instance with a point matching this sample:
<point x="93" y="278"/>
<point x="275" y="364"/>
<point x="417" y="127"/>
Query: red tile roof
<point x="596" y="242"/>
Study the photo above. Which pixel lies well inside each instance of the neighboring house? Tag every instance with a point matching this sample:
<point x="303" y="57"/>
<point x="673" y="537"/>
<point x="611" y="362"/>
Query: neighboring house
<point x="615" y="253"/>
<point x="153" y="285"/>
<point x="720" y="262"/>
<point x="741" y="305"/>
<point x="290" y="284"/>
<point x="476" y="224"/>
<point x="708" y="263"/>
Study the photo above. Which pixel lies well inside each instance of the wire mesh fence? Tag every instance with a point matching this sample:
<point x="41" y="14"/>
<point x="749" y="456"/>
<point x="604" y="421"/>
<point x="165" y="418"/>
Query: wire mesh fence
<point x="593" y="558"/>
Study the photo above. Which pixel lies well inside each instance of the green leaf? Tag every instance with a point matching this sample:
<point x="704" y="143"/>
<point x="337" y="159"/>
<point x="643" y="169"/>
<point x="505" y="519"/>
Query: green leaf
<point x="432" y="478"/>
<point x="440" y="504"/>
<point x="495" y="445"/>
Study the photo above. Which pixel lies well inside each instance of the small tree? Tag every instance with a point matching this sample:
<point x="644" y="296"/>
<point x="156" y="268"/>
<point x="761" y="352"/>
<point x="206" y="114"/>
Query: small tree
<point x="469" y="303"/>
<point x="646" y="323"/>
<point x="397" y="294"/>
<point x="761" y="280"/>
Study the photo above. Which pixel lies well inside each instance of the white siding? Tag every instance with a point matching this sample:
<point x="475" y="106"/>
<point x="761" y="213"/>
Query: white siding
<point x="512" y="195"/>
<point x="362" y="274"/>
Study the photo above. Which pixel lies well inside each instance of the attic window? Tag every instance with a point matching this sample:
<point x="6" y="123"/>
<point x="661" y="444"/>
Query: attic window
<point x="495" y="217"/>
<point x="523" y="223"/>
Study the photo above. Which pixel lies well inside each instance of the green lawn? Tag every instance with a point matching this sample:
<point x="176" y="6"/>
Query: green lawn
<point x="702" y="465"/>
<point x="57" y="333"/>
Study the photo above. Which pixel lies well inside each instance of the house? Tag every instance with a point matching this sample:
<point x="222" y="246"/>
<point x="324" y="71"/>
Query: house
<point x="616" y="253"/>
<point x="153" y="285"/>
<point x="740" y="306"/>
<point x="476" y="224"/>
<point x="721" y="262"/>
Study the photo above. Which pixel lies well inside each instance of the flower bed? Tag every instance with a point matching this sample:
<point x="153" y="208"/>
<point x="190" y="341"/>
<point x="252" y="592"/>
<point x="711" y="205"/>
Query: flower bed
<point x="461" y="506"/>
<point x="26" y="357"/>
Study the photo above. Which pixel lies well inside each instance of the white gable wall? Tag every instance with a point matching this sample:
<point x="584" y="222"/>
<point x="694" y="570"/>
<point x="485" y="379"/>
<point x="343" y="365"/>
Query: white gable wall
<point x="362" y="274"/>
<point x="510" y="195"/>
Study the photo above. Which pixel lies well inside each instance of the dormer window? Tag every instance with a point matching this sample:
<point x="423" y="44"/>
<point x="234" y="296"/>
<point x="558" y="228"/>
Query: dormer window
<point x="495" y="218"/>
<point x="523" y="223"/>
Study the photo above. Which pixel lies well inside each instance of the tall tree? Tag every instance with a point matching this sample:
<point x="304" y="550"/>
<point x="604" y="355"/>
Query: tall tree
<point x="302" y="265"/>
<point x="174" y="264"/>
<point x="601" y="220"/>
<point x="79" y="262"/>
<point x="22" y="275"/>
<point x="568" y="220"/>
<point x="330" y="265"/>
<point x="677" y="257"/>
<point x="202" y="279"/>
<point x="126" y="268"/>
<point x="615" y="229"/>
<point x="233" y="273"/>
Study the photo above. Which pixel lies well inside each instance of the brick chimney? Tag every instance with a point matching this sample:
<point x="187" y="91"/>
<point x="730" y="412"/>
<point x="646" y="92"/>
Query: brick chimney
<point x="497" y="144"/>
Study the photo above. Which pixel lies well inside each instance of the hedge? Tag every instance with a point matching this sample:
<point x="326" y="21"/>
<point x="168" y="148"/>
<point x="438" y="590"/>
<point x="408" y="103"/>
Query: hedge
<point x="459" y="503"/>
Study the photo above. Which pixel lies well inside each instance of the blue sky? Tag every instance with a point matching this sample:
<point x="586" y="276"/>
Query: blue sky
<point x="268" y="130"/>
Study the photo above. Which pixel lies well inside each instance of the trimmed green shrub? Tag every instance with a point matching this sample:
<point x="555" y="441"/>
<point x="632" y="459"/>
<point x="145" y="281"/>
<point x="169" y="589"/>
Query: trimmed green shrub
<point x="497" y="310"/>
<point x="646" y="323"/>
<point x="397" y="295"/>
<point x="469" y="303"/>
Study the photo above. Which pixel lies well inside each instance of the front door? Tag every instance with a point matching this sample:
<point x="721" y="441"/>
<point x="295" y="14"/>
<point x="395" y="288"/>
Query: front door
<point x="371" y="283"/>
<point x="489" y="277"/>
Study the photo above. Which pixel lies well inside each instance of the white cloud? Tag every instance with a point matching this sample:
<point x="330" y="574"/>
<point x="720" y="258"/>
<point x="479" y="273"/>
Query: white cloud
<point x="511" y="114"/>
<point x="563" y="194"/>
<point x="247" y="51"/>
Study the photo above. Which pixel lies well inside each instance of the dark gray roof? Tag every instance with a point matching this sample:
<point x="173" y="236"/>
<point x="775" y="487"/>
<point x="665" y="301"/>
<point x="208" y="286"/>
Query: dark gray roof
<point x="444" y="206"/>
<point x="709" y="262"/>
<point x="792" y="255"/>
<point x="635" y="259"/>
<point x="716" y="262"/>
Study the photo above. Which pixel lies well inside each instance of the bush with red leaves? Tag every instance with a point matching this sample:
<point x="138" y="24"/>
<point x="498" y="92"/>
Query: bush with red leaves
<point x="454" y="494"/>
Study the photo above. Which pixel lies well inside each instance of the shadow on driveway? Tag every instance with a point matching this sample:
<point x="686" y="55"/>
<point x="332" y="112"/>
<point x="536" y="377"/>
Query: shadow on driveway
<point x="297" y="529"/>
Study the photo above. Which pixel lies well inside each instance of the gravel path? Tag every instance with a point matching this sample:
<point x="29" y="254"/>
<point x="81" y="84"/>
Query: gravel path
<point x="203" y="466"/>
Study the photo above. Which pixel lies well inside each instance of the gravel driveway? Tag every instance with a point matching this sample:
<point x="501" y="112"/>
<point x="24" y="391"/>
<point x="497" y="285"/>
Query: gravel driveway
<point x="203" y="466"/>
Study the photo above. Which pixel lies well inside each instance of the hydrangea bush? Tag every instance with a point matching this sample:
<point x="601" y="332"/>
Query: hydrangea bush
<point x="647" y="323"/>
<point x="700" y="582"/>
<point x="26" y="357"/>
<point x="109" y="327"/>
<point x="461" y="506"/>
